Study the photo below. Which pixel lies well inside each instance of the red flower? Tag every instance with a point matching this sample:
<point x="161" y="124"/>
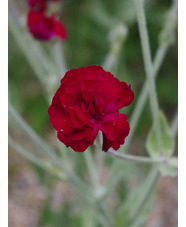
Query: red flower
<point x="88" y="100"/>
<point x="45" y="28"/>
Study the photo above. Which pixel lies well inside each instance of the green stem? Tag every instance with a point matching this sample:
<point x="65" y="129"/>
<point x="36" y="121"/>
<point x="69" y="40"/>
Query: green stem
<point x="33" y="135"/>
<point x="160" y="54"/>
<point x="39" y="53"/>
<point x="149" y="186"/>
<point x="99" y="15"/>
<point x="30" y="56"/>
<point x="99" y="190"/>
<point x="37" y="161"/>
<point x="65" y="155"/>
<point x="59" y="58"/>
<point x="17" y="35"/>
<point x="106" y="213"/>
<point x="139" y="159"/>
<point x="29" y="156"/>
<point x="31" y="45"/>
<point x="94" y="165"/>
<point x="99" y="156"/>
<point x="91" y="167"/>
<point x="97" y="213"/>
<point x="148" y="68"/>
<point x="117" y="36"/>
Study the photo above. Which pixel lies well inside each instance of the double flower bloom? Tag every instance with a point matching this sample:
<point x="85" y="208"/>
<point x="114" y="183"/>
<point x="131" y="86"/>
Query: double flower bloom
<point x="88" y="100"/>
<point x="42" y="26"/>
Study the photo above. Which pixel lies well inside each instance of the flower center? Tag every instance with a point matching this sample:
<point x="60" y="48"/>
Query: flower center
<point x="89" y="109"/>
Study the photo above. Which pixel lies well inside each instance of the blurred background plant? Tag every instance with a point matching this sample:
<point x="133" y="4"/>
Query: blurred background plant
<point x="57" y="187"/>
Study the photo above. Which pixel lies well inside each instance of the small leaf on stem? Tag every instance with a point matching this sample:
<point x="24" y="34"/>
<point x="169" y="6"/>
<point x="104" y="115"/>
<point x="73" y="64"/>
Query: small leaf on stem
<point x="169" y="166"/>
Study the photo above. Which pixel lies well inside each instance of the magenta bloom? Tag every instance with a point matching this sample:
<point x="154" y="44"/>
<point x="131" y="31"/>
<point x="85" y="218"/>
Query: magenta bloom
<point x="88" y="100"/>
<point x="45" y="28"/>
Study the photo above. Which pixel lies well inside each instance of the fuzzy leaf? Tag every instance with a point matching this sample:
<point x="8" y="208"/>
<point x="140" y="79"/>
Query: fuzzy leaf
<point x="167" y="142"/>
<point x="170" y="166"/>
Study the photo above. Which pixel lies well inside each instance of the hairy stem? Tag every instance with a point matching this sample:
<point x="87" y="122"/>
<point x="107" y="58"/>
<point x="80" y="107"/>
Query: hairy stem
<point x="37" y="161"/>
<point x="148" y="68"/>
<point x="91" y="167"/>
<point x="117" y="36"/>
<point x="59" y="58"/>
<point x="160" y="54"/>
<point x="134" y="158"/>
<point x="33" y="135"/>
<point x="150" y="183"/>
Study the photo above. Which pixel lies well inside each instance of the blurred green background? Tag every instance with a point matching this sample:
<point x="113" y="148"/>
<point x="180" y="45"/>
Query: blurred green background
<point x="88" y="44"/>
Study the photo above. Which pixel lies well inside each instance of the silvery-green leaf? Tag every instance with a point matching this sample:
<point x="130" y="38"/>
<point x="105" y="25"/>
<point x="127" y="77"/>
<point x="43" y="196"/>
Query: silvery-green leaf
<point x="167" y="142"/>
<point x="163" y="150"/>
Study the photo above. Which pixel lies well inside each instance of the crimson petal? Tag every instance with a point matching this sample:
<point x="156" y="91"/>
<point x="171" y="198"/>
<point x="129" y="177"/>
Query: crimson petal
<point x="115" y="129"/>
